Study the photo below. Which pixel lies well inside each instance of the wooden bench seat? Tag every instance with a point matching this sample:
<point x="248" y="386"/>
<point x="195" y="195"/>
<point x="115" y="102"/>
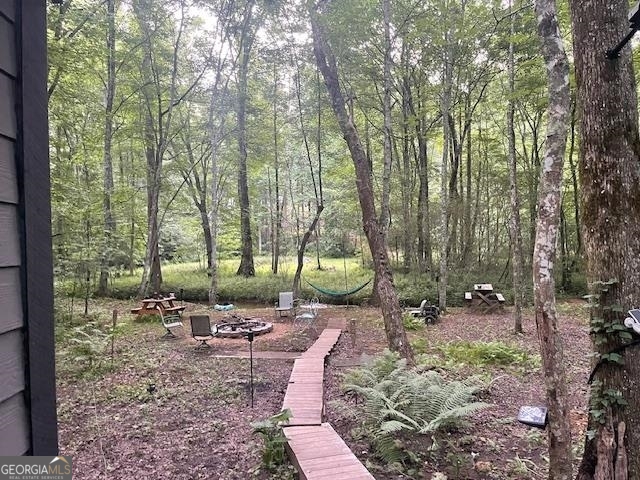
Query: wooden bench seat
<point x="178" y="309"/>
<point x="145" y="311"/>
<point x="467" y="296"/>
<point x="500" y="297"/>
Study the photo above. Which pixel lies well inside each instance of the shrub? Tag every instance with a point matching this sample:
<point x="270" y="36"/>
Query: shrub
<point x="488" y="353"/>
<point x="398" y="399"/>
<point x="273" y="453"/>
<point x="86" y="349"/>
<point x="412" y="323"/>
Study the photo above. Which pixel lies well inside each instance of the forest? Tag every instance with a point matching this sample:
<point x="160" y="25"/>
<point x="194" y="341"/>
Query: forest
<point x="189" y="131"/>
<point x="254" y="145"/>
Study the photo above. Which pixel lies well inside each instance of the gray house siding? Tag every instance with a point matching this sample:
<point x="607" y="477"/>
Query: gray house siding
<point x="27" y="375"/>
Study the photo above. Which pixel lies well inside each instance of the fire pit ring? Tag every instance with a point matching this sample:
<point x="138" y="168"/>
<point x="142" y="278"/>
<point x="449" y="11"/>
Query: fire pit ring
<point x="240" y="327"/>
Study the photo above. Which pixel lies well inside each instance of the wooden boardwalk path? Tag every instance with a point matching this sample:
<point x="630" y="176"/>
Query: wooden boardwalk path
<point x="318" y="452"/>
<point x="314" y="447"/>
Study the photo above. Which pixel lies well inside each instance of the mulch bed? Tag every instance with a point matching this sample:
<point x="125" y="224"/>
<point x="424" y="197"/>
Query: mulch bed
<point x="167" y="411"/>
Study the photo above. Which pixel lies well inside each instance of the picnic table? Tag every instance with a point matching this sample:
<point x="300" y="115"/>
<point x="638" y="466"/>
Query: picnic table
<point x="158" y="306"/>
<point x="483" y="298"/>
<point x="169" y="313"/>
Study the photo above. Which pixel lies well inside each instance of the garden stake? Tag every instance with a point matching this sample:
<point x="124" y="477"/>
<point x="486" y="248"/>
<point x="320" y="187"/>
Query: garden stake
<point x="113" y="333"/>
<point x="250" y="338"/>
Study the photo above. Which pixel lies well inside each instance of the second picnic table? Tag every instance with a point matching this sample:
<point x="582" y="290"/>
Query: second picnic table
<point x="483" y="298"/>
<point x="158" y="306"/>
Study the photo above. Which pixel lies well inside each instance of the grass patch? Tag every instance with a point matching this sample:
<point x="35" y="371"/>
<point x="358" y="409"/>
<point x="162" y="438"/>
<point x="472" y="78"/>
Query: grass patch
<point x="412" y="323"/>
<point x="264" y="287"/>
<point x="488" y="353"/>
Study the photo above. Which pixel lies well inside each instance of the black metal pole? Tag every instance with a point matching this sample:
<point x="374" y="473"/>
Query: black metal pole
<point x="251" y="368"/>
<point x="250" y="338"/>
<point x="615" y="51"/>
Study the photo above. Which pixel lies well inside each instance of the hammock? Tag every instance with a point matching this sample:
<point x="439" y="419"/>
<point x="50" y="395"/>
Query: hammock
<point x="341" y="293"/>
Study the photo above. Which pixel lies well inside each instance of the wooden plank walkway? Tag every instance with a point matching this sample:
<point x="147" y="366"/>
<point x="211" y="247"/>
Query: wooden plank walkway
<point x="314" y="447"/>
<point x="304" y="396"/>
<point x="319" y="453"/>
<point x="324" y="344"/>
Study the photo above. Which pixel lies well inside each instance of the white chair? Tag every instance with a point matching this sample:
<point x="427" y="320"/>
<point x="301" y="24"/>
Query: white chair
<point x="170" y="320"/>
<point x="420" y="311"/>
<point x="307" y="318"/>
<point x="285" y="304"/>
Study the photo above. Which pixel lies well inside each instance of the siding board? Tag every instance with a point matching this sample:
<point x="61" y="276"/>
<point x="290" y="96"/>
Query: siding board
<point x="7" y="112"/>
<point x="11" y="364"/>
<point x="8" y="183"/>
<point x="14" y="426"/>
<point x="7" y="47"/>
<point x="9" y="238"/>
<point x="10" y="300"/>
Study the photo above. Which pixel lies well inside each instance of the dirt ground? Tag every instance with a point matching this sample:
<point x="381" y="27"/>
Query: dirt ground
<point x="165" y="410"/>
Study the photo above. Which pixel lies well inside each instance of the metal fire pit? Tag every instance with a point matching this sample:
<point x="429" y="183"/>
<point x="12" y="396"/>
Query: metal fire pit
<point x="240" y="327"/>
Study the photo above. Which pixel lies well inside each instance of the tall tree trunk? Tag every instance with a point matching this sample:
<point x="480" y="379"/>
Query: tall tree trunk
<point x="156" y="134"/>
<point x="515" y="225"/>
<point x="574" y="178"/>
<point x="277" y="223"/>
<point x="376" y="237"/>
<point x="246" y="267"/>
<point x="468" y="237"/>
<point x="609" y="170"/>
<point x="319" y="158"/>
<point x="317" y="186"/>
<point x="198" y="188"/>
<point x="422" y="219"/>
<point x="408" y="233"/>
<point x="109" y="220"/>
<point x="385" y="209"/>
<point x="215" y="208"/>
<point x="544" y="256"/>
<point x="445" y="106"/>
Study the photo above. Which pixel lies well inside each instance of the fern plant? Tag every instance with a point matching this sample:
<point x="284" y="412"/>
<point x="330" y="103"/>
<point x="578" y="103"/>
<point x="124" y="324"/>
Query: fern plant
<point x="88" y="344"/>
<point x="402" y="400"/>
<point x="273" y="453"/>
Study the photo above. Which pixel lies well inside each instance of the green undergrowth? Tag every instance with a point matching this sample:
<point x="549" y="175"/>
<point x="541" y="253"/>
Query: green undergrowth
<point x="396" y="402"/>
<point x="462" y="355"/>
<point x="192" y="280"/>
<point x="274" y="458"/>
<point x="488" y="353"/>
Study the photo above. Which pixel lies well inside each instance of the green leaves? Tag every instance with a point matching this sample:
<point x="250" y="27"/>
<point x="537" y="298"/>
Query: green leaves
<point x="273" y="452"/>
<point x="398" y="399"/>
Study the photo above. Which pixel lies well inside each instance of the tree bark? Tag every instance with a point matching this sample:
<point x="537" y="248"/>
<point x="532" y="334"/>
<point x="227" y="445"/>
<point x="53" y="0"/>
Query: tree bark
<point x="317" y="186"/>
<point x="574" y="180"/>
<point x="445" y="106"/>
<point x="385" y="209"/>
<point x="390" y="304"/>
<point x="156" y="133"/>
<point x="109" y="220"/>
<point x="246" y="267"/>
<point x="277" y="217"/>
<point x="609" y="172"/>
<point x="548" y="219"/>
<point x="408" y="232"/>
<point x="514" y="224"/>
